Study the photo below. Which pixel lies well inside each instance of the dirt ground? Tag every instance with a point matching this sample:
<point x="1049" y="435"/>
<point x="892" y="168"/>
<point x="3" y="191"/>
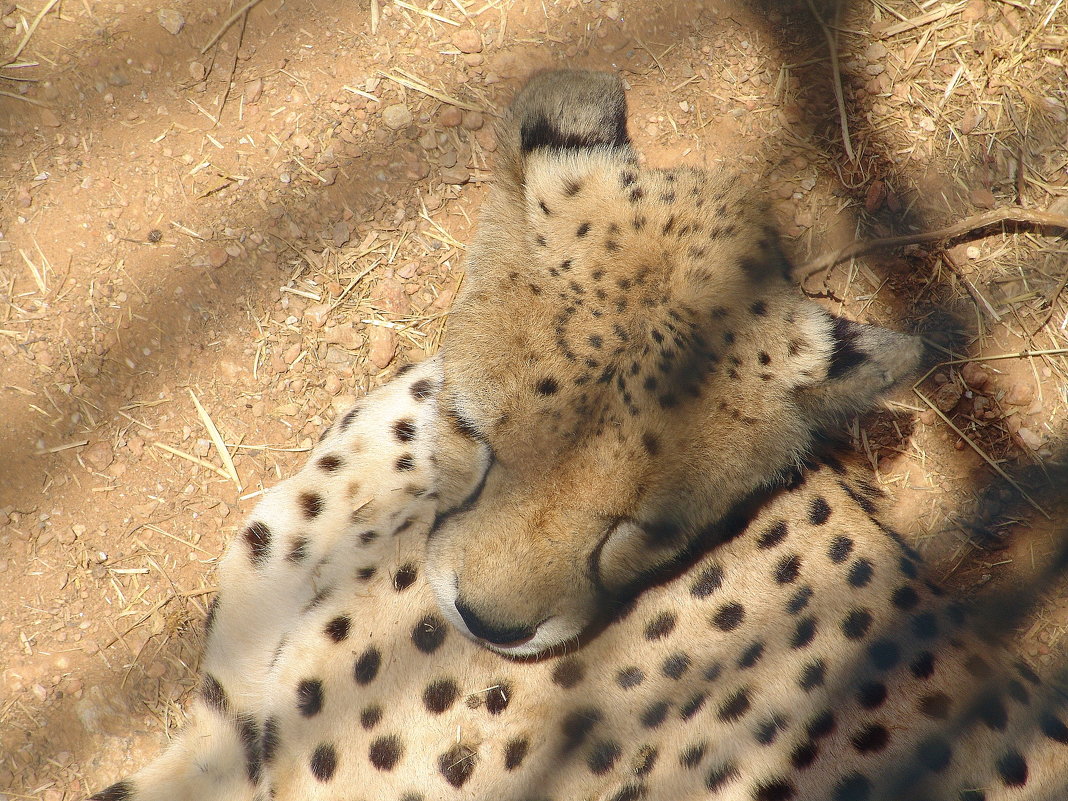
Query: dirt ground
<point x="224" y="222"/>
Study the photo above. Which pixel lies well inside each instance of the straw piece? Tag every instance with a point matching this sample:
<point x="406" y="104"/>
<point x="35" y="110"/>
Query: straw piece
<point x="191" y="458"/>
<point x="217" y="439"/>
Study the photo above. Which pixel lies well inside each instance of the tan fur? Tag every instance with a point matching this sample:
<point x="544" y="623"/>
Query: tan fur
<point x="799" y="655"/>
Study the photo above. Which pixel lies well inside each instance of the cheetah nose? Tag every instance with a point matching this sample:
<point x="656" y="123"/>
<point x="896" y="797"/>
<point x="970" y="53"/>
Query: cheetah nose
<point x="493" y="633"/>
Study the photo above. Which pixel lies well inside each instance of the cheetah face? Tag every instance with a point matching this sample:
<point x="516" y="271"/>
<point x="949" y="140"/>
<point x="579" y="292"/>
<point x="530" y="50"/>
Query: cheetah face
<point x="627" y="362"/>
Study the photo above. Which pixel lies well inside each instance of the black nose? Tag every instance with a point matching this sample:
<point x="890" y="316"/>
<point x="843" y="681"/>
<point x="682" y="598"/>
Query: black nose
<point x="493" y="633"/>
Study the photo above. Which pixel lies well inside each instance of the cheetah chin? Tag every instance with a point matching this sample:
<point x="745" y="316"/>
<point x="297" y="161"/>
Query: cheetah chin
<point x="608" y="472"/>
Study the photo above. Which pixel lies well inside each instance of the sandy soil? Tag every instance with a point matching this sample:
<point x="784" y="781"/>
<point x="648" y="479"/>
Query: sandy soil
<point x="240" y="221"/>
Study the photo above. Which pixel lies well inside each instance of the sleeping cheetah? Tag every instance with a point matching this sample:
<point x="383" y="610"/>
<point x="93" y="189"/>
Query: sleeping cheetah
<point x="605" y="478"/>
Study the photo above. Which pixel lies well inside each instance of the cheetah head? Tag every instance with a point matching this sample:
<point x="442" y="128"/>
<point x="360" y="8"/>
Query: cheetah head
<point x="628" y="361"/>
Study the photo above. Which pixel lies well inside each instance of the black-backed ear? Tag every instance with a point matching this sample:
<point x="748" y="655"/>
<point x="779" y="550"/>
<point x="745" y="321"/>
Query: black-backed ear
<point x="560" y="112"/>
<point x="860" y="364"/>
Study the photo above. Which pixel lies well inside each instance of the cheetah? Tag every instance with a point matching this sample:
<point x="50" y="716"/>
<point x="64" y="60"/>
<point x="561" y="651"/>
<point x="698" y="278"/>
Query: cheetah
<point x="587" y="551"/>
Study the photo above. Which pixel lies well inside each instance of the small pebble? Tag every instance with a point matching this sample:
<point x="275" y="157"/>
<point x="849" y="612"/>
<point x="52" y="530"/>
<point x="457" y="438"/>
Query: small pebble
<point x="172" y="21"/>
<point x="397" y="116"/>
<point x="468" y="40"/>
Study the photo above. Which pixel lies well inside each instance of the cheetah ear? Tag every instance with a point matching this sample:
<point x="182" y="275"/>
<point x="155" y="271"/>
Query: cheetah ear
<point x="859" y="364"/>
<point x="562" y="111"/>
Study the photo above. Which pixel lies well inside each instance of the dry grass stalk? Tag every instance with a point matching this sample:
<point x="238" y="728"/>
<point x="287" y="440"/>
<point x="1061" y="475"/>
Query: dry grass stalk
<point x="30" y="31"/>
<point x="217" y="440"/>
<point x="226" y="25"/>
<point x="412" y="83"/>
<point x="1033" y="217"/>
<point x="194" y="459"/>
<point x="836" y="74"/>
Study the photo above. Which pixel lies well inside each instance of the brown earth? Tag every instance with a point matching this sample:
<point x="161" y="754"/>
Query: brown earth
<point x="273" y="225"/>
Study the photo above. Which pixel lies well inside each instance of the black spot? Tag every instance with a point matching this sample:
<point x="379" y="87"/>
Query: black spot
<point x="214" y="695"/>
<point x="905" y="597"/>
<point x="572" y="187"/>
<point x="759" y="308"/>
<point x="787" y="570"/>
<point x="821" y="725"/>
<point x="775" y="790"/>
<point x="871" y="695"/>
<point x="1012" y="768"/>
<point x="630" y="677"/>
<point x="515" y="752"/>
<point x="651" y="444"/>
<point x="385" y="752"/>
<point x="568" y="672"/>
<point x="329" y="463"/>
<point x="751" y="655"/>
<point x="923" y="665"/>
<point x="1019" y="693"/>
<point x="853" y="787"/>
<point x="404" y="577"/>
<point x="1053" y="727"/>
<point x="692" y="756"/>
<point x="365" y="573"/>
<point x="630" y="792"/>
<point x="346" y="421"/>
<point x="421" y="389"/>
<point x="675" y="666"/>
<point x="989" y="708"/>
<point x="366" y="666"/>
<point x="729" y="616"/>
<point x="860" y="573"/>
<point x="324" y="762"/>
<point x="856" y="623"/>
<point x="978" y="667"/>
<point x="311" y="504"/>
<point x="692" y="706"/>
<point x="654" y="714"/>
<point x="812" y="676"/>
<point x="404" y="430"/>
<point x="429" y="633"/>
<point x="270" y="741"/>
<point x="735" y="706"/>
<point x="497" y="698"/>
<point x="799" y="600"/>
<point x="764" y="358"/>
<point x="258" y="537"/>
<point x="719" y="775"/>
<point x="773" y="535"/>
<point x="871" y="739"/>
<point x="582" y="230"/>
<point x="925" y="625"/>
<point x="660" y="626"/>
<point x="934" y="753"/>
<point x="209" y="619"/>
<point x="708" y="582"/>
<point x="603" y="755"/>
<point x="120" y="791"/>
<point x="440" y="695"/>
<point x="845" y="355"/>
<point x="804" y="633"/>
<point x="840" y="549"/>
<point x="370" y="716"/>
<point x="767" y="731"/>
<point x="299" y="550"/>
<point x="310" y="697"/>
<point x="405" y="462"/>
<point x="804" y="755"/>
<point x="884" y="654"/>
<point x="577" y="725"/>
<point x="644" y="760"/>
<point x="547" y="386"/>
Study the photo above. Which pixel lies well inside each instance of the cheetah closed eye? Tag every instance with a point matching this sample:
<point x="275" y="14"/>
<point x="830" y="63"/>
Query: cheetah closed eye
<point x="629" y="359"/>
<point x="629" y="382"/>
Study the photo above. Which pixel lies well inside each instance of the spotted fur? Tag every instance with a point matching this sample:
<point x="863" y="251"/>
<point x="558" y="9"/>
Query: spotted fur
<point x="789" y="646"/>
